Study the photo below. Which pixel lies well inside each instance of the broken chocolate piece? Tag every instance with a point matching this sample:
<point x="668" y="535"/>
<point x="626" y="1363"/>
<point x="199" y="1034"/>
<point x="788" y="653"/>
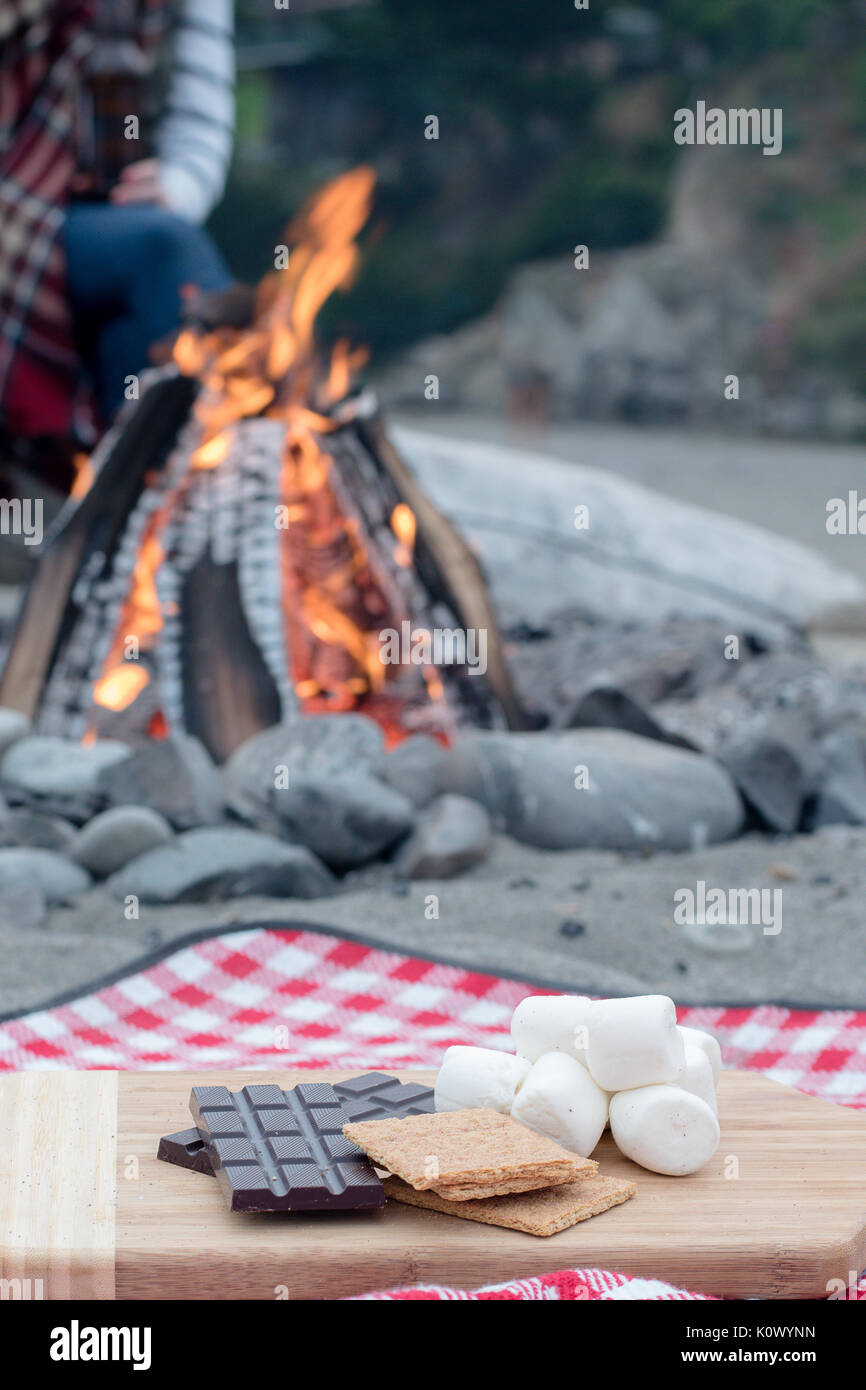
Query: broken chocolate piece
<point x="274" y="1150"/>
<point x="373" y="1096"/>
<point x="186" y="1149"/>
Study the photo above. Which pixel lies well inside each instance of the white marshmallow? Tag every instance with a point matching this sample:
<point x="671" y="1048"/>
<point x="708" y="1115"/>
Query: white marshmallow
<point x="664" y="1128"/>
<point x="634" y="1042"/>
<point x="698" y="1076"/>
<point x="560" y="1099"/>
<point x="708" y="1044"/>
<point x="550" y="1023"/>
<point x="478" y="1078"/>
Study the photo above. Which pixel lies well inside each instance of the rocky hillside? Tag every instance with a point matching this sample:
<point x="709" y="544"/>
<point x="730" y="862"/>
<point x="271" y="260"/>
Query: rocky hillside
<point x="555" y="128"/>
<point x="759" y="272"/>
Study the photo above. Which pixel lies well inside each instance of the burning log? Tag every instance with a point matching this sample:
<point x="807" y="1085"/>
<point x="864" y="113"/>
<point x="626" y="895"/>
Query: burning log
<point x="86" y="534"/>
<point x="249" y="535"/>
<point x="449" y="569"/>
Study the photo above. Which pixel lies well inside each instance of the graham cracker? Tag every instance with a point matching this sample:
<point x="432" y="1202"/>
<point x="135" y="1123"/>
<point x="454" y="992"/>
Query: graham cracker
<point x="467" y="1192"/>
<point x="467" y="1152"/>
<point x="537" y="1213"/>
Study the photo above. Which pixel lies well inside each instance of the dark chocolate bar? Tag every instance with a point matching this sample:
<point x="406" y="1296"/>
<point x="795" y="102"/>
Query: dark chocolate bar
<point x="274" y="1150"/>
<point x="377" y="1096"/>
<point x="186" y="1149"/>
<point x="373" y="1096"/>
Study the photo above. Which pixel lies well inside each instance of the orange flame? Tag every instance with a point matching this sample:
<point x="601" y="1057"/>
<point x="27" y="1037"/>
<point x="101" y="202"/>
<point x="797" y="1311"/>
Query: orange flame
<point x="83" y="475"/>
<point x="346" y="362"/>
<point x="121" y="686"/>
<point x="403" y="526"/>
<point x="213" y="452"/>
<point x="334" y="600"/>
<point x="123" y="679"/>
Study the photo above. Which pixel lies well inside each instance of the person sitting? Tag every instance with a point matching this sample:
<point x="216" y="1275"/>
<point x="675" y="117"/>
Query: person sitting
<point x="101" y="208"/>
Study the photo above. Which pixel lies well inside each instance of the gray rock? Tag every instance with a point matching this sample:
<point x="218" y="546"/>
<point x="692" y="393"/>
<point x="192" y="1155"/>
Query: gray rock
<point x="316" y="782"/>
<point x="59" y="879"/>
<point x="603" y="706"/>
<point x="643" y="556"/>
<point x="317" y="747"/>
<point x="13" y="726"/>
<point x="454" y="834"/>
<point x="174" y="776"/>
<point x="59" y="774"/>
<point x="770" y="777"/>
<point x="208" y="864"/>
<point x="677" y="661"/>
<point x="38" y="830"/>
<point x="675" y="658"/>
<point x="115" y="837"/>
<point x="347" y="819"/>
<point x="638" y="794"/>
<point x="22" y="898"/>
<point x="842" y="796"/>
<point x="841" y="801"/>
<point x="414" y="768"/>
<point x="779" y="687"/>
<point x="479" y="769"/>
<point x="775" y="767"/>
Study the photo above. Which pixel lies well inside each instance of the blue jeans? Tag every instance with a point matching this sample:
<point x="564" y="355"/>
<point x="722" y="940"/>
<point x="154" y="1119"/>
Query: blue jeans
<point x="125" y="268"/>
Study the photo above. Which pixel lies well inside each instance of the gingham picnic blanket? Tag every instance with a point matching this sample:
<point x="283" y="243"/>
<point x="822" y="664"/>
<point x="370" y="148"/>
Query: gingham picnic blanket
<point x="261" y="998"/>
<point x="565" y="1285"/>
<point x="279" y="998"/>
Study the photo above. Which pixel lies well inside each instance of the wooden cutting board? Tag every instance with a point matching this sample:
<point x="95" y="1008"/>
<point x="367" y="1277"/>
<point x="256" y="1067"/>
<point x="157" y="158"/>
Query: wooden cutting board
<point x="86" y="1208"/>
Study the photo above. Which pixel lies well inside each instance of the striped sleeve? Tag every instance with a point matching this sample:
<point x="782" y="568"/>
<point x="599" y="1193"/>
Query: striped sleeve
<point x="195" y="134"/>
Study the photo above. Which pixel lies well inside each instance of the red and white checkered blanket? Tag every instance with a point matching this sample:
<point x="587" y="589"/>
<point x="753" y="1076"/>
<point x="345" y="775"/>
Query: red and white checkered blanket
<point x="267" y="999"/>
<point x="264" y="998"/>
<point x="566" y="1285"/>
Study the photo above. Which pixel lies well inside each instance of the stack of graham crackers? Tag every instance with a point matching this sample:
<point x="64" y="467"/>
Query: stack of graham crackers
<point x="485" y="1166"/>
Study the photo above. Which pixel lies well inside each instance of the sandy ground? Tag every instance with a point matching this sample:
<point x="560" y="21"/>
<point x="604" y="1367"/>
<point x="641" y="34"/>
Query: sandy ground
<point x="579" y="920"/>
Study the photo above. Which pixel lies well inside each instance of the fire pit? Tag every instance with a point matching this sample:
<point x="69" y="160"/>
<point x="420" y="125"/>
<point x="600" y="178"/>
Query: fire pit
<point x="245" y="545"/>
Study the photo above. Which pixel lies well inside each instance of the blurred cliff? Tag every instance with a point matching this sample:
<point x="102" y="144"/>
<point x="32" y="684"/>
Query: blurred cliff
<point x="556" y="129"/>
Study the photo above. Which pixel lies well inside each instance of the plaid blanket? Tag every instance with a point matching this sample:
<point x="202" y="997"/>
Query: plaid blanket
<point x="43" y="48"/>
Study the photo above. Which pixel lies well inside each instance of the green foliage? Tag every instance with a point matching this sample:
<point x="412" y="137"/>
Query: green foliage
<point x="855" y="86"/>
<point x="251" y="109"/>
<point x="834" y="336"/>
<point x="744" y="30"/>
<point x="604" y="203"/>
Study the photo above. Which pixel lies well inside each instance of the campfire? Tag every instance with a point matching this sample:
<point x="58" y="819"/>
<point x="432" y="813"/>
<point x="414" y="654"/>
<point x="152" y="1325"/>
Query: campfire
<point x="240" y="543"/>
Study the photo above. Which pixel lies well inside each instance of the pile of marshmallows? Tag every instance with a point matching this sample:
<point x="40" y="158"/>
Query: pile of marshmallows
<point x="582" y="1064"/>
